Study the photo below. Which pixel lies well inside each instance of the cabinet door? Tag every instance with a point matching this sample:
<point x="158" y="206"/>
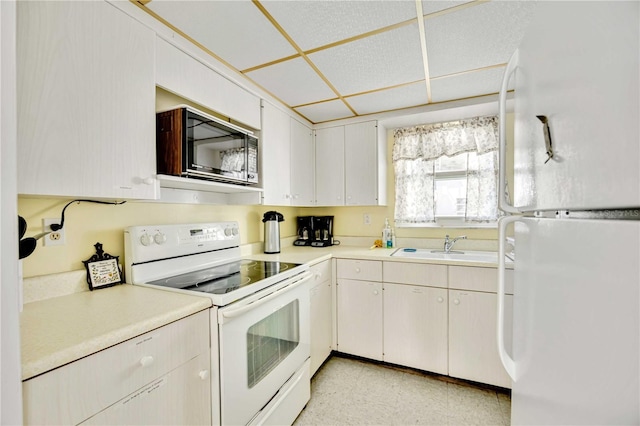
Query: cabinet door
<point x="361" y="160"/>
<point x="78" y="390"/>
<point x="276" y="156"/>
<point x="321" y="324"/>
<point x="330" y="166"/>
<point x="360" y="318"/>
<point x="183" y="75"/>
<point x="181" y="397"/>
<point x="302" y="165"/>
<point x="415" y="327"/>
<point x="473" y="353"/>
<point x="86" y="101"/>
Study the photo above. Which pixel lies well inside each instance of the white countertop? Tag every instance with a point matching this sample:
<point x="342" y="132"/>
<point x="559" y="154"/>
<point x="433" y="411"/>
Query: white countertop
<point x="60" y="330"/>
<point x="312" y="255"/>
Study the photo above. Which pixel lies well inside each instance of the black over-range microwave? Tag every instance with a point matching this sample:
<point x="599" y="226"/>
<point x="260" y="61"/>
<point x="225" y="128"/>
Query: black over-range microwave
<point x="190" y="143"/>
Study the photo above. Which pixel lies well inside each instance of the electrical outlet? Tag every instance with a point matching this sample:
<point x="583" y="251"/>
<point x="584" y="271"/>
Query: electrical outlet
<point x="55" y="238"/>
<point x="367" y="219"/>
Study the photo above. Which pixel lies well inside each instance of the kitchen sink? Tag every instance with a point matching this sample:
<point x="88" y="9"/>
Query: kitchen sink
<point x="468" y="256"/>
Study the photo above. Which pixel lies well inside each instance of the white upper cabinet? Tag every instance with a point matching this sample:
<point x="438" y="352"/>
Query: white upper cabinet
<point x="329" y="165"/>
<point x="361" y="159"/>
<point x="275" y="143"/>
<point x="350" y="166"/>
<point x="189" y="78"/>
<point x="302" y="165"/>
<point x="86" y="101"/>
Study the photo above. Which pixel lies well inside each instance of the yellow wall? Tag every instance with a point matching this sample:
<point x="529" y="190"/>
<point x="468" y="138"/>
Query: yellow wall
<point x="87" y="223"/>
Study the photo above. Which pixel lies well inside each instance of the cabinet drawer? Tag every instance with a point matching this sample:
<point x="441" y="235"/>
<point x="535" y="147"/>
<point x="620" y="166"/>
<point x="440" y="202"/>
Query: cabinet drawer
<point x="76" y="391"/>
<point x="478" y="279"/>
<point x="368" y="270"/>
<point x="181" y="397"/>
<point x="321" y="272"/>
<point x="415" y="273"/>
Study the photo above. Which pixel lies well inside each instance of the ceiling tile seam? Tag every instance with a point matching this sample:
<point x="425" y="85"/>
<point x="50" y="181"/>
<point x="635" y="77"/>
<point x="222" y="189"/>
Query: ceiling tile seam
<point x="459" y="73"/>
<point x="367" y="92"/>
<point x="423" y="48"/>
<point x="183" y="34"/>
<point x="415" y="106"/>
<point x="334" y="44"/>
<point x="268" y="64"/>
<point x="279" y="100"/>
<point x="455" y="8"/>
<point x="279" y="27"/>
<point x="366" y="34"/>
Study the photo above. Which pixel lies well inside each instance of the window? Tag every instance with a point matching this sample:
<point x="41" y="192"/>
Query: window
<point x="446" y="173"/>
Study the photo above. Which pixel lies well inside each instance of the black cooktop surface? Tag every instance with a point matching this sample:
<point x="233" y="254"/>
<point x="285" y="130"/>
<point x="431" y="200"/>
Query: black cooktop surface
<point x="227" y="277"/>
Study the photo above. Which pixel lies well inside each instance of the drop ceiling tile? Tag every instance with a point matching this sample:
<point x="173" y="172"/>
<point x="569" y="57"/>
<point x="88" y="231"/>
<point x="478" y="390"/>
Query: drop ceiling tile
<point x="477" y="83"/>
<point x="400" y="97"/>
<point x="376" y="62"/>
<point x="475" y="37"/>
<point x="293" y="82"/>
<point x="236" y="30"/>
<point x="429" y="6"/>
<point x="317" y="23"/>
<point x="325" y="111"/>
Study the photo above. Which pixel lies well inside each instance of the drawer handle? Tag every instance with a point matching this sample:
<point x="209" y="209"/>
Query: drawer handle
<point x="456" y="302"/>
<point x="375" y="292"/>
<point x="440" y="300"/>
<point x="358" y="270"/>
<point x="146" y="361"/>
<point x="204" y="374"/>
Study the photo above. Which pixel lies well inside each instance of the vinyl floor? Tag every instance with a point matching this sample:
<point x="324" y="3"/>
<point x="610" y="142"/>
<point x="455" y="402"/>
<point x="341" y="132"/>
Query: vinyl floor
<point x="347" y="391"/>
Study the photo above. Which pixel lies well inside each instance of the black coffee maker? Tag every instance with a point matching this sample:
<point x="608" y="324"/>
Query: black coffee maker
<point x="314" y="231"/>
<point x="305" y="231"/>
<point x="323" y="231"/>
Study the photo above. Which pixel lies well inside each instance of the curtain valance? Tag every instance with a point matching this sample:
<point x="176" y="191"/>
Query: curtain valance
<point x="431" y="141"/>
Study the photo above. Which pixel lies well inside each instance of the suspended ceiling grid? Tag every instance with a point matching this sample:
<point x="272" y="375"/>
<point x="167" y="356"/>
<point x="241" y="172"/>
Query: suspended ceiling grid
<point x="330" y="60"/>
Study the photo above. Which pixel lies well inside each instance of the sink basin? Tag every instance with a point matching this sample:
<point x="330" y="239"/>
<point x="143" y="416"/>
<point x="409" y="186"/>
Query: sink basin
<point x="468" y="256"/>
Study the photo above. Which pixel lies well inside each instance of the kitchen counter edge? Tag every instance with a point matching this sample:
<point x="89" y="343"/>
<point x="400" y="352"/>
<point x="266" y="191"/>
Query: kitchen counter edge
<point x="60" y="330"/>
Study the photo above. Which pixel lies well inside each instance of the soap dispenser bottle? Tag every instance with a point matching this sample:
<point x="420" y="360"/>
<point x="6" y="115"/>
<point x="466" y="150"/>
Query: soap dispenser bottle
<point x="386" y="234"/>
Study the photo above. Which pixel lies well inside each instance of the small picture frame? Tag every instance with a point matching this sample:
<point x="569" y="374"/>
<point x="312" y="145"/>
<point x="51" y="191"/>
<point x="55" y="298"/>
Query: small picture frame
<point x="103" y="270"/>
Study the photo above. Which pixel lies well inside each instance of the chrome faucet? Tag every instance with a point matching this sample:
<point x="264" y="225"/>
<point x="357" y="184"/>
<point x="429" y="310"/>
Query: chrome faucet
<point x="448" y="243"/>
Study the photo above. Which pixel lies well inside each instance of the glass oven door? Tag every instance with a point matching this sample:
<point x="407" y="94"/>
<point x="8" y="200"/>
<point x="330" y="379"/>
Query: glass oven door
<point x="215" y="149"/>
<point x="264" y="340"/>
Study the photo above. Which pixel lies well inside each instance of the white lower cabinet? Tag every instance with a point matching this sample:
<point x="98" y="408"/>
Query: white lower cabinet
<point x="415" y="327"/>
<point x="431" y="317"/>
<point x="360" y="318"/>
<point x="321" y="313"/>
<point x="473" y="353"/>
<point x="160" y="377"/>
<point x="176" y="398"/>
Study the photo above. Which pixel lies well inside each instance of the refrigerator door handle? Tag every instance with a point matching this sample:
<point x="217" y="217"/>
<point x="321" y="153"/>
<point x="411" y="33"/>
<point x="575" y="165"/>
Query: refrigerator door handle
<point x="508" y="362"/>
<point x="503" y="203"/>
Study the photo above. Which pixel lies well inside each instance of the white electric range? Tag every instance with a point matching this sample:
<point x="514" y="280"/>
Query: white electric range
<point x="260" y="343"/>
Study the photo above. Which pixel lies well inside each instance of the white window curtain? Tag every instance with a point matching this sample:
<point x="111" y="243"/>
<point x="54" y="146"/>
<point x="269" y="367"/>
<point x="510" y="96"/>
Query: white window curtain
<point x="415" y="150"/>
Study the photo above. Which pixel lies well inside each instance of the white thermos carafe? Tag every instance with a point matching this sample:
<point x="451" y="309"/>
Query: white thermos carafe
<point x="272" y="221"/>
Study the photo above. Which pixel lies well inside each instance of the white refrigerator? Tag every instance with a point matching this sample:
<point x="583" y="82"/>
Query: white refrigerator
<point x="576" y="216"/>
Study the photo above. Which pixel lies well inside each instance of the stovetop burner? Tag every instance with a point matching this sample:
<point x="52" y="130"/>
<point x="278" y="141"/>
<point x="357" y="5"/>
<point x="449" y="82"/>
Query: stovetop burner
<point x="225" y="278"/>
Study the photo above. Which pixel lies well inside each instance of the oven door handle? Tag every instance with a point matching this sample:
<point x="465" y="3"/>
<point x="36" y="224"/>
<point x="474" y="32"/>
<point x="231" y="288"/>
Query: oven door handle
<point x="299" y="280"/>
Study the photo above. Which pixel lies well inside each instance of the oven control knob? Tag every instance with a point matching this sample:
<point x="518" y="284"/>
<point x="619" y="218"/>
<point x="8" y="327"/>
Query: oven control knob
<point x="160" y="238"/>
<point x="234" y="231"/>
<point x="227" y="232"/>
<point x="145" y="239"/>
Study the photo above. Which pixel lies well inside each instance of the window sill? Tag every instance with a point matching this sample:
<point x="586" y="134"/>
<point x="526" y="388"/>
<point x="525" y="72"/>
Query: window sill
<point x="449" y="222"/>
